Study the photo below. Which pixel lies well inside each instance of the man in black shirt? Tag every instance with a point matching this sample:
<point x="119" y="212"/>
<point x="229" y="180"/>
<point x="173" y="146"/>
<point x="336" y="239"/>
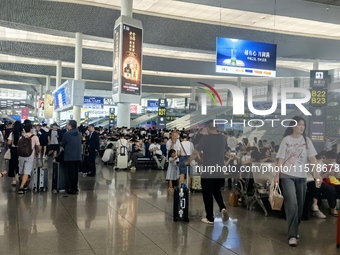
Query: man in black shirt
<point x="213" y="146"/>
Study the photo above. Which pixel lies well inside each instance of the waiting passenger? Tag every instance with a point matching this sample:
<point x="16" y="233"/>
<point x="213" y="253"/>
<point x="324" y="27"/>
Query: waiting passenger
<point x="266" y="156"/>
<point x="108" y="154"/>
<point x="155" y="150"/>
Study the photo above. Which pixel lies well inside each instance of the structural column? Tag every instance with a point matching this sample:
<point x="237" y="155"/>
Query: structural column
<point x="123" y="116"/>
<point x="41" y="94"/>
<point x="78" y="71"/>
<point x="36" y="103"/>
<point x="48" y="83"/>
<point x="123" y="109"/>
<point x="56" y="115"/>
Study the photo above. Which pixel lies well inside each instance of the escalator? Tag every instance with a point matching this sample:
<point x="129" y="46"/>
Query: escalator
<point x="196" y="117"/>
<point x="143" y="119"/>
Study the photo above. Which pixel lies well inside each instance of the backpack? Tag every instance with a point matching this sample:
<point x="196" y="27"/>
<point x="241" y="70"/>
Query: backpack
<point x="25" y="146"/>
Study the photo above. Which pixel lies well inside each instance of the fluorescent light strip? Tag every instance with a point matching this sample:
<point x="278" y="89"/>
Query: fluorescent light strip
<point x="230" y="17"/>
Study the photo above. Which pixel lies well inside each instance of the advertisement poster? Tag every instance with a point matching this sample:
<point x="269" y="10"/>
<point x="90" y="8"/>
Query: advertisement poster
<point x="131" y="60"/>
<point x="41" y="108"/>
<point x="133" y="109"/>
<point x="115" y="74"/>
<point x="48" y="105"/>
<point x="24" y="113"/>
<point x="243" y="57"/>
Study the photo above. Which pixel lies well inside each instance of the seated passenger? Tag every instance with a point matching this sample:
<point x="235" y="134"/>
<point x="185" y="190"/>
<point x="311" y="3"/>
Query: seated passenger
<point x="155" y="150"/>
<point x="266" y="156"/>
<point x="108" y="154"/>
<point x="329" y="191"/>
<point x="246" y="159"/>
<point x="139" y="152"/>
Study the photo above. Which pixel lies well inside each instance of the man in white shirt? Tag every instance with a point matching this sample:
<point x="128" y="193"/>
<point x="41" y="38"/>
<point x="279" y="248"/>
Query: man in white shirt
<point x="173" y="143"/>
<point x="155" y="150"/>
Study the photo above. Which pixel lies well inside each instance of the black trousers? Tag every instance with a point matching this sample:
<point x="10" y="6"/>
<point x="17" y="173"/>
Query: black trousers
<point x="91" y="161"/>
<point x="327" y="190"/>
<point x="211" y="189"/>
<point x="13" y="166"/>
<point x="72" y="170"/>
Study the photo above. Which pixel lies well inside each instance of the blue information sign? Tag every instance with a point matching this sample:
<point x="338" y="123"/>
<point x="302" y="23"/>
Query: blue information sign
<point x="243" y="57"/>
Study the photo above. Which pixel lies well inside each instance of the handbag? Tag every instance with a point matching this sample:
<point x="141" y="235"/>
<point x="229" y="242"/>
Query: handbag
<point x="7" y="155"/>
<point x="233" y="199"/>
<point x="275" y="196"/>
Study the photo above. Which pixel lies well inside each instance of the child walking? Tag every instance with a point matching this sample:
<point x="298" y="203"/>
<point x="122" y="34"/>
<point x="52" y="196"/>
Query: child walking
<point x="172" y="173"/>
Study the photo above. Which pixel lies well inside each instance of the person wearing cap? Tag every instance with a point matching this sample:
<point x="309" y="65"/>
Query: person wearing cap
<point x="72" y="144"/>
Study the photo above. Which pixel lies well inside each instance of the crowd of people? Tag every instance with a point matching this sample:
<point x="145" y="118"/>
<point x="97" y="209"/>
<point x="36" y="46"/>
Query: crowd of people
<point x="178" y="151"/>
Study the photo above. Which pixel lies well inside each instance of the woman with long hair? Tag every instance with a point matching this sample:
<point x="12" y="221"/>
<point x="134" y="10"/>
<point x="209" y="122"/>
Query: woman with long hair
<point x="12" y="142"/>
<point x="294" y="151"/>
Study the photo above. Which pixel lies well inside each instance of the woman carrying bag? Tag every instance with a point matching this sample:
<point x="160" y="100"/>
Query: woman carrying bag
<point x="295" y="149"/>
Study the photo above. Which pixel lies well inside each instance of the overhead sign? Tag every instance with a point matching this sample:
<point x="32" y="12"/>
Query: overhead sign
<point x="319" y="79"/>
<point x="154" y="104"/>
<point x="162" y="102"/>
<point x="93" y="102"/>
<point x="234" y="56"/>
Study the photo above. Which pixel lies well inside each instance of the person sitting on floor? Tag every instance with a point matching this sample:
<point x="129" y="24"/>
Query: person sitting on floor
<point x="108" y="155"/>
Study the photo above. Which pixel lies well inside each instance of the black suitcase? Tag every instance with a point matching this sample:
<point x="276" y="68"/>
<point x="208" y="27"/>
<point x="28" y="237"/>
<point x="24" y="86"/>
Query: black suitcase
<point x="181" y="204"/>
<point x="59" y="178"/>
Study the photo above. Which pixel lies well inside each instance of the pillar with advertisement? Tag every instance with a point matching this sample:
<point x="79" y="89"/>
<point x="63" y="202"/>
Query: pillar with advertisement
<point x="127" y="66"/>
<point x="161" y="123"/>
<point x="319" y="82"/>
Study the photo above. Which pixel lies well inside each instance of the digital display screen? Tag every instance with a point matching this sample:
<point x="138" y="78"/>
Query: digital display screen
<point x="62" y="97"/>
<point x="234" y="56"/>
<point x="162" y="111"/>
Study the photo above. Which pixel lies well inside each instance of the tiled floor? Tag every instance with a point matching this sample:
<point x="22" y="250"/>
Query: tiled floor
<point x="131" y="213"/>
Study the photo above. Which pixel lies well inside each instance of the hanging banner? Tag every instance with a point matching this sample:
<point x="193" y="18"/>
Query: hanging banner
<point x="93" y="102"/>
<point x="41" y="108"/>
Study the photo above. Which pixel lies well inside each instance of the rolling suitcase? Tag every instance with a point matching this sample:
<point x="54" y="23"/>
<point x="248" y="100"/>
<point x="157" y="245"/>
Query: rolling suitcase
<point x="122" y="159"/>
<point x="59" y="178"/>
<point x="40" y="179"/>
<point x="181" y="203"/>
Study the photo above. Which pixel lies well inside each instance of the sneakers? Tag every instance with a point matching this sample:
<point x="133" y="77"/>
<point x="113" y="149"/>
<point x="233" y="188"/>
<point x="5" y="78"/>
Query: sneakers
<point x="14" y="183"/>
<point x="133" y="169"/>
<point x="292" y="241"/>
<point x="319" y="214"/>
<point x="130" y="162"/>
<point x="21" y="191"/>
<point x="315" y="208"/>
<point x="44" y="157"/>
<point x="205" y="220"/>
<point x="334" y="212"/>
<point x="225" y="215"/>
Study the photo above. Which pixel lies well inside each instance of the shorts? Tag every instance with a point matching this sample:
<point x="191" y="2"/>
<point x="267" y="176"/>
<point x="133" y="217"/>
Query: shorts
<point x="182" y="167"/>
<point x="26" y="165"/>
<point x="54" y="147"/>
